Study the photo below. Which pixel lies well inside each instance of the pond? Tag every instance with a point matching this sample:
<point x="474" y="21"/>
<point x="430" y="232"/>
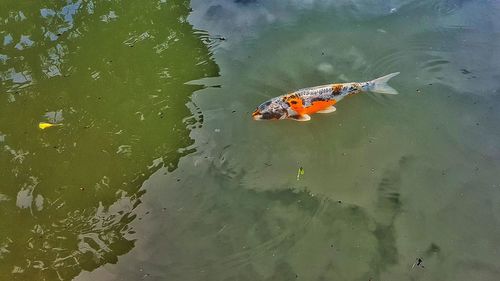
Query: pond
<point x="158" y="172"/>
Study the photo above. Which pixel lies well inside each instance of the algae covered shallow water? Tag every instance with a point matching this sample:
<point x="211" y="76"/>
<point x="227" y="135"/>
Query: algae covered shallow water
<point x="159" y="173"/>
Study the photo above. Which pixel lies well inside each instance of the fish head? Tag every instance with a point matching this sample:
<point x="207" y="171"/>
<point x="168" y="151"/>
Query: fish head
<point x="273" y="109"/>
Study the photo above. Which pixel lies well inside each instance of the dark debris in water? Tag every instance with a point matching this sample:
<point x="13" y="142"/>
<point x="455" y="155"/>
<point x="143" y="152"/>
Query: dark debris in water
<point x="465" y="71"/>
<point x="418" y="263"/>
<point x="245" y="2"/>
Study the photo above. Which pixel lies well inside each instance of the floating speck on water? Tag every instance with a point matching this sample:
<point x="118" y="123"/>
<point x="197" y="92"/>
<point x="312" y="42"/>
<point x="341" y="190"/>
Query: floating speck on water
<point x="465" y="71"/>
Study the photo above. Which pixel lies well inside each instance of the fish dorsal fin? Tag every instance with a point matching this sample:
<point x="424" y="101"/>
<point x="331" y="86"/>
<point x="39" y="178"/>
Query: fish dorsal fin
<point x="302" y="117"/>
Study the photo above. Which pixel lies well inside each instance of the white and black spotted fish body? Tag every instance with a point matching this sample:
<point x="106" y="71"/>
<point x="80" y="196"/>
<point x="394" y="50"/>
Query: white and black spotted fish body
<point x="300" y="104"/>
<point x="330" y="92"/>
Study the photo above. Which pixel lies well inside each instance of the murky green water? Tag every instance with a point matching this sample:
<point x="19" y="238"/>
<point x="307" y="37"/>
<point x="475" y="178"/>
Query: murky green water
<point x="159" y="173"/>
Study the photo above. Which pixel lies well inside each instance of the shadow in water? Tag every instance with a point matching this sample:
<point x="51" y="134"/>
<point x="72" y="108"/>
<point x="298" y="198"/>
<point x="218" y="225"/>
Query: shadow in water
<point x="213" y="229"/>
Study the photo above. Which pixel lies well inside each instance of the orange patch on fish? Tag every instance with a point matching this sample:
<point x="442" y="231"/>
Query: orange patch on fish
<point x="296" y="104"/>
<point x="318" y="106"/>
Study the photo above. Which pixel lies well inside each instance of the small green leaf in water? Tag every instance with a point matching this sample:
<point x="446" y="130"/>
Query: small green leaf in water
<point x="300" y="172"/>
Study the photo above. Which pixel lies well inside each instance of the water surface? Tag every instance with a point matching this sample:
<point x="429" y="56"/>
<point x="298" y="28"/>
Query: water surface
<point x="114" y="74"/>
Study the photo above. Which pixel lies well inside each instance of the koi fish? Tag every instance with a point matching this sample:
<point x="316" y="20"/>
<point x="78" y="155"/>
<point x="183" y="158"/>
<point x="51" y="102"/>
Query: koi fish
<point x="300" y="104"/>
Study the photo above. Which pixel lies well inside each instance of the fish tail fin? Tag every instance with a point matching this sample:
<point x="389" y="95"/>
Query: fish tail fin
<point x="379" y="85"/>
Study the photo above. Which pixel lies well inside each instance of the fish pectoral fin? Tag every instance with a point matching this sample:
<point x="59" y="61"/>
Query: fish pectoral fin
<point x="302" y="117"/>
<point x="329" y="109"/>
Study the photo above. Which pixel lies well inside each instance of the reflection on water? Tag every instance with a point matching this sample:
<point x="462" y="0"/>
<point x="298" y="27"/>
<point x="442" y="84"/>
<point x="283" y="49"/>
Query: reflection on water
<point x="388" y="180"/>
<point x="113" y="74"/>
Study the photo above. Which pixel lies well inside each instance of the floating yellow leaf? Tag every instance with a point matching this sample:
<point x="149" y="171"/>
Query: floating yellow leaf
<point x="44" y="125"/>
